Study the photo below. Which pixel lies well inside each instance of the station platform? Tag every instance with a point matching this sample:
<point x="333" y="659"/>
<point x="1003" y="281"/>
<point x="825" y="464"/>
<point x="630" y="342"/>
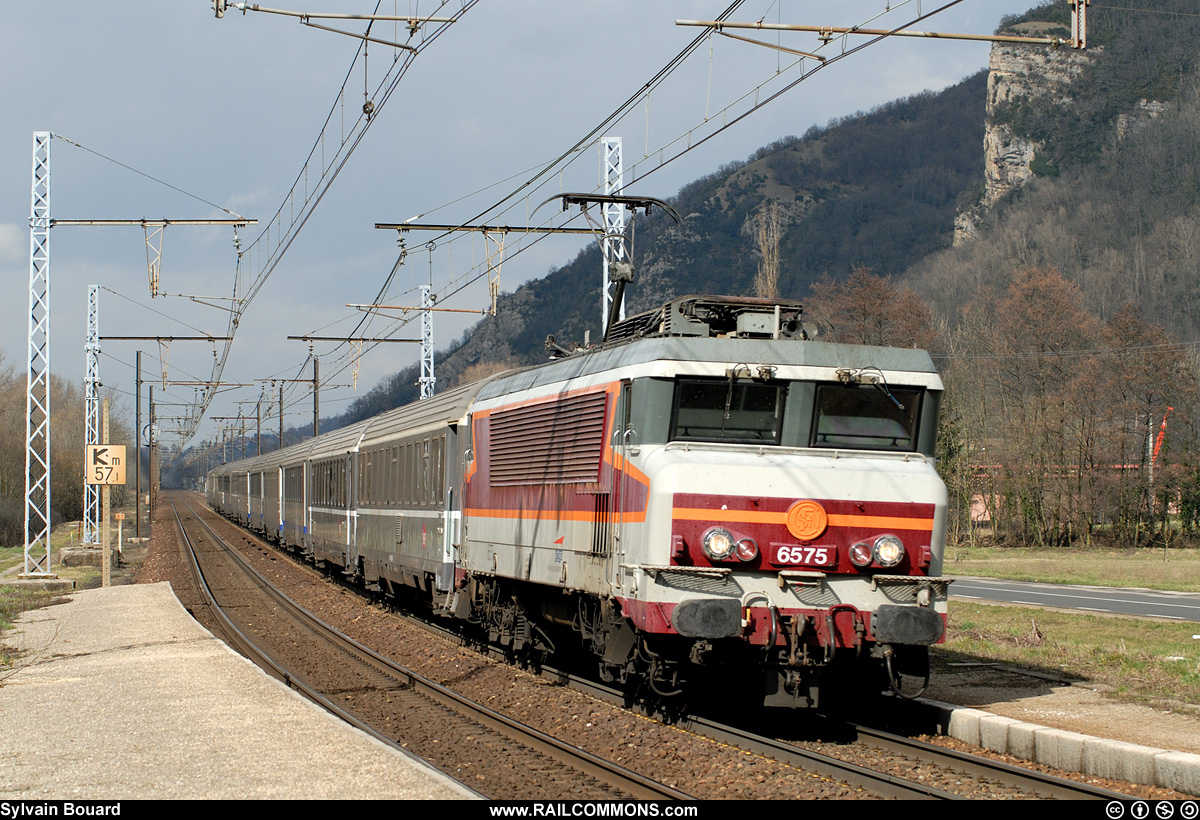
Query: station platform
<point x="120" y="694"/>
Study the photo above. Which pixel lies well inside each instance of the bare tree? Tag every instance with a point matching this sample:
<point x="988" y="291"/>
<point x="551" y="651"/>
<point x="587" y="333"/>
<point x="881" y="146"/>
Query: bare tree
<point x="766" y="281"/>
<point x="481" y="370"/>
<point x="871" y="310"/>
<point x="1050" y="411"/>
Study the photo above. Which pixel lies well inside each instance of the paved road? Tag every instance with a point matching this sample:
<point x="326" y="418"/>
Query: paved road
<point x="1177" y="605"/>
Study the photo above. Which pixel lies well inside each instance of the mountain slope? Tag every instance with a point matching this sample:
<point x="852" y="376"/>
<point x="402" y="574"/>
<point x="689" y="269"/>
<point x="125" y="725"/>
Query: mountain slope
<point x="876" y="190"/>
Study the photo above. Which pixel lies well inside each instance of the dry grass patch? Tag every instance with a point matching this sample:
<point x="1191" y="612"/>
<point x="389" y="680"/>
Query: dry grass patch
<point x="1141" y="659"/>
<point x="14" y="600"/>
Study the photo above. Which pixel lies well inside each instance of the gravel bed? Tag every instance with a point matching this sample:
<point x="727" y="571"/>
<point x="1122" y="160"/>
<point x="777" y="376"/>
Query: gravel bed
<point x="701" y="767"/>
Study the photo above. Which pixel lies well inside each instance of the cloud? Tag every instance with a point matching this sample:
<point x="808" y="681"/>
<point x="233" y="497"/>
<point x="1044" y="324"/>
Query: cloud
<point x="13" y="241"/>
<point x="245" y="201"/>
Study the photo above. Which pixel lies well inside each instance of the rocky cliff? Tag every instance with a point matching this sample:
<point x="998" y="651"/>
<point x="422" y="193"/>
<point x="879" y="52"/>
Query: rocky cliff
<point x="1018" y="76"/>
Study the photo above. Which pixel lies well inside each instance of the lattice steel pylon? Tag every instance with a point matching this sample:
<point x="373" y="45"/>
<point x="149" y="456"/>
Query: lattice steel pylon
<point x="427" y="380"/>
<point x="91" y="427"/>
<point x="37" y="395"/>
<point x="614" y="225"/>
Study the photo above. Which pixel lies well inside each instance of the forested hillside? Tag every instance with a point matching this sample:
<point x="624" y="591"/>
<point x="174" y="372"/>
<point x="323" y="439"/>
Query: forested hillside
<point x="1116" y="205"/>
<point x="879" y="190"/>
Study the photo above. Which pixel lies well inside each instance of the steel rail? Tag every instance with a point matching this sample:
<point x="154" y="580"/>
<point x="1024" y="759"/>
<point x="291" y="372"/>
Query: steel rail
<point x="630" y="782"/>
<point x="1014" y="776"/>
<point x="814" y="762"/>
<point x="1007" y="774"/>
<point x="235" y="635"/>
<point x="265" y="662"/>
<point x="1042" y="784"/>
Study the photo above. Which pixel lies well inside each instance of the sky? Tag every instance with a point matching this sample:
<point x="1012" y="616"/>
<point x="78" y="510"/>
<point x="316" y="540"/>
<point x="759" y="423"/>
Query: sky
<point x="162" y="111"/>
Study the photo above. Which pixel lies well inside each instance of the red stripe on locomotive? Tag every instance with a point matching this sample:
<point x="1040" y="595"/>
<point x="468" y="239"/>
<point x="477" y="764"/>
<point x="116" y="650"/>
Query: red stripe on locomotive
<point x="765" y="521"/>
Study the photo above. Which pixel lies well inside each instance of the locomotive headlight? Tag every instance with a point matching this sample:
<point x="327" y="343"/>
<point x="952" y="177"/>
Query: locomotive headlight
<point x="860" y="554"/>
<point x="746" y="549"/>
<point x="718" y="544"/>
<point x="889" y="550"/>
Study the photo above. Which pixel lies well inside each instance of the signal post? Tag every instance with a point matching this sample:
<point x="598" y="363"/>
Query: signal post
<point x="104" y="464"/>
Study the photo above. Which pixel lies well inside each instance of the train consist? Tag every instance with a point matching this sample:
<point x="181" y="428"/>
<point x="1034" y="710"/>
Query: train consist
<point x="710" y="503"/>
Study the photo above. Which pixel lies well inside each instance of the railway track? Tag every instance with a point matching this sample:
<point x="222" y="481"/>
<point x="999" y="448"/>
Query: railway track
<point x="881" y="749"/>
<point x="980" y="775"/>
<point x="987" y="776"/>
<point x="872" y="762"/>
<point x="548" y="767"/>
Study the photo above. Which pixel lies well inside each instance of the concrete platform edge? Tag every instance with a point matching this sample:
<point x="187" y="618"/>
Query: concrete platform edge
<point x="1070" y="751"/>
<point x="418" y="762"/>
<point x="169" y="714"/>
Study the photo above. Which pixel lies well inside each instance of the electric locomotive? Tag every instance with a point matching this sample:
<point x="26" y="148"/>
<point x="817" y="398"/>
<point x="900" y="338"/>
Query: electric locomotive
<point x="710" y="502"/>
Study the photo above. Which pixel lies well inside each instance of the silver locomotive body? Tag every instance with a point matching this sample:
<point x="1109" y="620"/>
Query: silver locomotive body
<point x="722" y="501"/>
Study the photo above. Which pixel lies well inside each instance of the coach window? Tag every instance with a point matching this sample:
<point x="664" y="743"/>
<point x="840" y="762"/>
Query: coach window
<point x="442" y="464"/>
<point x="370" y="477"/>
<point x="379" y="489"/>
<point x="439" y="468"/>
<point x="389" y="476"/>
<point x="380" y="476"/>
<point x="410" y="481"/>
<point x="393" y="478"/>
<point x="425" y="456"/>
<point x="365" y="467"/>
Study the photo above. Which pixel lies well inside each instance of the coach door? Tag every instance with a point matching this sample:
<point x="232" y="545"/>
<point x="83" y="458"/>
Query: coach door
<point x="451" y="487"/>
<point x="611" y="520"/>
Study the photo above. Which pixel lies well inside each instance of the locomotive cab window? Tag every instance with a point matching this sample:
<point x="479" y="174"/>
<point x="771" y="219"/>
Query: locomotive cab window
<point x="866" y="417"/>
<point x="739" y="411"/>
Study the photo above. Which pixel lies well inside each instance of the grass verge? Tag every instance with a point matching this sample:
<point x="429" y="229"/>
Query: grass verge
<point x="1139" y="659"/>
<point x="11" y="556"/>
<point x="15" y="600"/>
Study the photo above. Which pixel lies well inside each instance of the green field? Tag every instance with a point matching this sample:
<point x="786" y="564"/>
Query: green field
<point x="1141" y="659"/>
<point x="11" y="557"/>
<point x="1176" y="569"/>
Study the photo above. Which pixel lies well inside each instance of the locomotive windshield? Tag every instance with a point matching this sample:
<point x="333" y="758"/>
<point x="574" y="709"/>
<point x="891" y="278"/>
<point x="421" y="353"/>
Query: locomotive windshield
<point x="866" y="417"/>
<point x="729" y="411"/>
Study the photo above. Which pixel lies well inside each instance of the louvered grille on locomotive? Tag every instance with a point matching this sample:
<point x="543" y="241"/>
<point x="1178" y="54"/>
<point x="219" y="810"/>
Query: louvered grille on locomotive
<point x="600" y="527"/>
<point x="555" y="442"/>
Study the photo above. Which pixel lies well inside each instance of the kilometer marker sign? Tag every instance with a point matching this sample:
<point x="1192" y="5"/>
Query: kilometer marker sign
<point x="104" y="464"/>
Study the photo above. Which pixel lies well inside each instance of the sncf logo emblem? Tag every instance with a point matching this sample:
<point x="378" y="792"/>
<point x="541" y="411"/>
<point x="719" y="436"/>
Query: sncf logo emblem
<point x="806" y="520"/>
